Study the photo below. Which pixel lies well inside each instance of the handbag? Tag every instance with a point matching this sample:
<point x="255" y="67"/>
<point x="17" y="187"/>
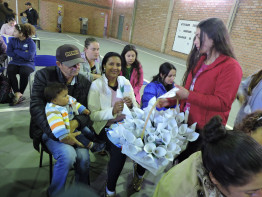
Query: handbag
<point x="6" y="94"/>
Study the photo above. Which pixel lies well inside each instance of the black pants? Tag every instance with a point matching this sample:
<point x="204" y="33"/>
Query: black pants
<point x="116" y="162"/>
<point x="23" y="71"/>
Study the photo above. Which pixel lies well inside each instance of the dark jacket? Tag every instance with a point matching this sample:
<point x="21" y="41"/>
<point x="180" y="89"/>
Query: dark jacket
<point x="2" y="50"/>
<point x="39" y="123"/>
<point x="3" y="13"/>
<point x="32" y="16"/>
<point x="22" y="52"/>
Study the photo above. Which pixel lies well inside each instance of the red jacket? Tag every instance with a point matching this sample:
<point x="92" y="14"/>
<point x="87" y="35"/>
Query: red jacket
<point x="214" y="91"/>
<point x="136" y="82"/>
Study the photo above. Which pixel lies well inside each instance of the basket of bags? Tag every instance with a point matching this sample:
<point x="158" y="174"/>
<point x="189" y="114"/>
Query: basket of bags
<point x="153" y="138"/>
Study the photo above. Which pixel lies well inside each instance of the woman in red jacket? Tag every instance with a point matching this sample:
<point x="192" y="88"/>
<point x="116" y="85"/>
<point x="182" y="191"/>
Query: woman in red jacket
<point x="132" y="69"/>
<point x="211" y="80"/>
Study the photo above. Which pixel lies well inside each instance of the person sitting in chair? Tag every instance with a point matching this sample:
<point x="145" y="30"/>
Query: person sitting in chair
<point x="63" y="150"/>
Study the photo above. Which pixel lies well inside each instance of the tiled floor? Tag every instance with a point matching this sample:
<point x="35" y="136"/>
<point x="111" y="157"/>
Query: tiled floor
<point x="20" y="175"/>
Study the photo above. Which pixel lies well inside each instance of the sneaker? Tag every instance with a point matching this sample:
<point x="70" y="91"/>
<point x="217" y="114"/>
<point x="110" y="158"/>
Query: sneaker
<point x="98" y="147"/>
<point x="108" y="195"/>
<point x="137" y="182"/>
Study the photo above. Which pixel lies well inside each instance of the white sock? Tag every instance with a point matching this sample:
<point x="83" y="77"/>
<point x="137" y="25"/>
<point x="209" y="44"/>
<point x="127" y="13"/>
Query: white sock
<point x="109" y="192"/>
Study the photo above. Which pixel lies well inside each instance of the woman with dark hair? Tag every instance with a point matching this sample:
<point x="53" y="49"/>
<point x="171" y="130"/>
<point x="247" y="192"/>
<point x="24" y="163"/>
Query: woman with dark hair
<point x="106" y="109"/>
<point x="92" y="66"/>
<point x="9" y="27"/>
<point x="161" y="83"/>
<point x="22" y="49"/>
<point x="4" y="12"/>
<point x="211" y="80"/>
<point x="10" y="10"/>
<point x="250" y="96"/>
<point x="132" y="69"/>
<point x="229" y="164"/>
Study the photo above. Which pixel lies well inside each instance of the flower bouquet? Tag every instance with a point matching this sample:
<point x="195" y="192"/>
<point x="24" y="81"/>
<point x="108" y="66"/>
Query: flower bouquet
<point x="153" y="138"/>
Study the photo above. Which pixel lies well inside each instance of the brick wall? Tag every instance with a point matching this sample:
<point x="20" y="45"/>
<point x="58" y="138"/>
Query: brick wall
<point x="21" y="6"/>
<point x="196" y="11"/>
<point x="246" y="35"/>
<point x="94" y="10"/>
<point x="151" y="17"/>
<point x="122" y="8"/>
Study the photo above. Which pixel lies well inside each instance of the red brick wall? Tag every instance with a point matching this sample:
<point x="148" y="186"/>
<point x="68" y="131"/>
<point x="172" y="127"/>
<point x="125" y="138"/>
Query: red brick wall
<point x="246" y="36"/>
<point x="122" y="8"/>
<point x="150" y="23"/>
<point x="94" y="10"/>
<point x="196" y="11"/>
<point x="151" y="17"/>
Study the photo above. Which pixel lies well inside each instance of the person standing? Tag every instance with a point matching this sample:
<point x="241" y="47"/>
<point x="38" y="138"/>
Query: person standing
<point x="31" y="13"/>
<point x="211" y="80"/>
<point x="59" y="22"/>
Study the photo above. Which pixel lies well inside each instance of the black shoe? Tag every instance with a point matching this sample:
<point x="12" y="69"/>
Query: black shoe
<point x="97" y="147"/>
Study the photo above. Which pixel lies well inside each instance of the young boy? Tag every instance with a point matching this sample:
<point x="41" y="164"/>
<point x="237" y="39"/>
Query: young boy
<point x="60" y="109"/>
<point x="24" y="19"/>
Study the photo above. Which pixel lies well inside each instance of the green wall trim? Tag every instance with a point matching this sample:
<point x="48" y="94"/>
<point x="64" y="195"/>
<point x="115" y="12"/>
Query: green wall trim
<point x="89" y="4"/>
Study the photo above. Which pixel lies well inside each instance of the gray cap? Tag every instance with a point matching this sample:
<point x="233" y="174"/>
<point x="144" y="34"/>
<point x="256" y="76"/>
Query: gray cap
<point x="69" y="55"/>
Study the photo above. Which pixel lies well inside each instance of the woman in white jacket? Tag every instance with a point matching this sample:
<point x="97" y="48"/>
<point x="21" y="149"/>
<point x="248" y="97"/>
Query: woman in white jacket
<point x="108" y="97"/>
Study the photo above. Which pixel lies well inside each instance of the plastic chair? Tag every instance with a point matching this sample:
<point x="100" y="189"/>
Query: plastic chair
<point x="43" y="61"/>
<point x="5" y="40"/>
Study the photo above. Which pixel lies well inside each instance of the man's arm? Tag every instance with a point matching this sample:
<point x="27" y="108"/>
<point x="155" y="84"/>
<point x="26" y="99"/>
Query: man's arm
<point x="37" y="103"/>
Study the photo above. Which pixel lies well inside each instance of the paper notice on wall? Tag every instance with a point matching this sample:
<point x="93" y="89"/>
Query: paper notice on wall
<point x="185" y="33"/>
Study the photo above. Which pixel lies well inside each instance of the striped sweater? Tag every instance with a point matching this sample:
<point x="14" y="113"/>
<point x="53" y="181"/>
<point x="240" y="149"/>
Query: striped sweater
<point x="58" y="117"/>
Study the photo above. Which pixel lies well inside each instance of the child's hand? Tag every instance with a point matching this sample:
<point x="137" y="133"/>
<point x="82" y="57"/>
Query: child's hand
<point x="86" y="112"/>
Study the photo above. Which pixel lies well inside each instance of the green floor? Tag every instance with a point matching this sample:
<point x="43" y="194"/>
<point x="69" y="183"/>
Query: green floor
<point x="19" y="171"/>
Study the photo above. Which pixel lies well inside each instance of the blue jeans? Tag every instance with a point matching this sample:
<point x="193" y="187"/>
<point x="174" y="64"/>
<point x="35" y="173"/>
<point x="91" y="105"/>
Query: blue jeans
<point x="67" y="157"/>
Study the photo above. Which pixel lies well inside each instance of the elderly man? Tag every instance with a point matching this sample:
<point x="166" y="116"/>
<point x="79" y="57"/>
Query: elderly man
<point x="67" y="155"/>
<point x="31" y="13"/>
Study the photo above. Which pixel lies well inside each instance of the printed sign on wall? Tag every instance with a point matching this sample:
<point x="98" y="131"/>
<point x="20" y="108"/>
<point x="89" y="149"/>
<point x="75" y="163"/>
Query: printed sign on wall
<point x="184" y="36"/>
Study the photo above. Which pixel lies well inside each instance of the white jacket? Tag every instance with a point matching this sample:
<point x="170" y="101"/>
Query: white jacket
<point x="100" y="99"/>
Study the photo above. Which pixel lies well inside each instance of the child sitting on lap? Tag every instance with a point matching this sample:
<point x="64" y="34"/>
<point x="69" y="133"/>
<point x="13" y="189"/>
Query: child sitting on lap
<point x="60" y="109"/>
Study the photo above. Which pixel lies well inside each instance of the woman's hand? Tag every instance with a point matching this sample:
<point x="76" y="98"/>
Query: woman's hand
<point x="118" y="107"/>
<point x="162" y="103"/>
<point x="128" y="102"/>
<point x="182" y="93"/>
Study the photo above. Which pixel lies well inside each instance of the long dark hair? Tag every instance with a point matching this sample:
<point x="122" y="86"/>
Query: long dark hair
<point x="135" y="64"/>
<point x="107" y="56"/>
<point x="256" y="78"/>
<point x="164" y="69"/>
<point x="232" y="157"/>
<point x="216" y="30"/>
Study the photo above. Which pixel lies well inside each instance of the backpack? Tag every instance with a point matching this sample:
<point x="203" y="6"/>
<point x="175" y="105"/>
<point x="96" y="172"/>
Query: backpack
<point x="6" y="94"/>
